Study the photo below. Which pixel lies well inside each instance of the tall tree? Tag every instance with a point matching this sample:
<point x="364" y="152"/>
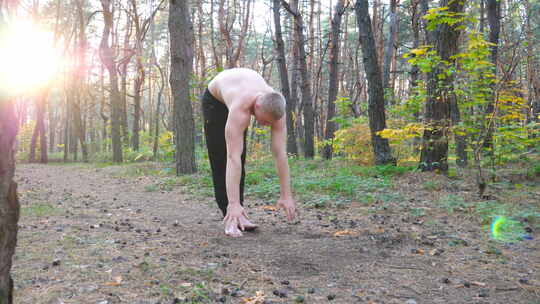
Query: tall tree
<point x="494" y="22"/>
<point x="390" y="42"/>
<point x="141" y="28"/>
<point x="41" y="106"/>
<point x="440" y="96"/>
<point x="532" y="67"/>
<point x="9" y="203"/>
<point x="106" y="52"/>
<point x="284" y="78"/>
<point x="307" y="102"/>
<point x="181" y="49"/>
<point x="376" y="107"/>
<point x="39" y="129"/>
<point x="333" y="85"/>
<point x="79" y="81"/>
<point x="226" y="25"/>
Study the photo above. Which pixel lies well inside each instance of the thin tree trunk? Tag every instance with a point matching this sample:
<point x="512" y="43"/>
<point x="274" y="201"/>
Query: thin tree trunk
<point x="181" y="42"/>
<point x="333" y="79"/>
<point x="390" y="43"/>
<point x="39" y="129"/>
<point x="104" y="117"/>
<point x="141" y="28"/>
<point x="284" y="78"/>
<point x="127" y="54"/>
<point x="532" y="72"/>
<point x="157" y="114"/>
<point x="53" y="123"/>
<point x="376" y="108"/>
<point x="494" y="22"/>
<point x="309" y="147"/>
<point x="107" y="57"/>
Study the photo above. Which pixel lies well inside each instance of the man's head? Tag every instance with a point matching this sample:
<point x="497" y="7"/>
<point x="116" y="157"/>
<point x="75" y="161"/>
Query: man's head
<point x="269" y="107"/>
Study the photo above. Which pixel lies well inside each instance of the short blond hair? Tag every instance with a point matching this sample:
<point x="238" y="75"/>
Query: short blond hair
<point x="274" y="104"/>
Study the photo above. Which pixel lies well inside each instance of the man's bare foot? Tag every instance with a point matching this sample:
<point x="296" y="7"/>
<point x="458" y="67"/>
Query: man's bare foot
<point x="248" y="226"/>
<point x="233" y="230"/>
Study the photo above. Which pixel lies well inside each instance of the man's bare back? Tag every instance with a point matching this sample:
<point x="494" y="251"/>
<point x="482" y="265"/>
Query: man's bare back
<point x="238" y="87"/>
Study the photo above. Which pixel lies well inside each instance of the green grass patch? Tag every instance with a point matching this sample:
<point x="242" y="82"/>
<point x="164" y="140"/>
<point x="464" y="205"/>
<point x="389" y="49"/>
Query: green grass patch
<point x="40" y="210"/>
<point x="321" y="183"/>
<point x="452" y="203"/>
<point x="316" y="183"/>
<point x="534" y="171"/>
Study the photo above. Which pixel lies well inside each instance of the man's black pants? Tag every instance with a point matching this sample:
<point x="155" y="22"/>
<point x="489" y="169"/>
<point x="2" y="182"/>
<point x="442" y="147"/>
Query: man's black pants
<point x="215" y="115"/>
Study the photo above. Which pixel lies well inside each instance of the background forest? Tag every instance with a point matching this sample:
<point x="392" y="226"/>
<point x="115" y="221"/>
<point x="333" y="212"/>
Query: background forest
<point x="413" y="128"/>
<point x="480" y="57"/>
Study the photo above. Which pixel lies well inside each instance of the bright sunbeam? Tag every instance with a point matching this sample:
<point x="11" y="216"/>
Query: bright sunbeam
<point x="28" y="59"/>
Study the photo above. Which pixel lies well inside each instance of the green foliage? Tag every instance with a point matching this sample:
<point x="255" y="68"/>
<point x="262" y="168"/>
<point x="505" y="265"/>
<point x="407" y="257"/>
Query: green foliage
<point x="40" y="210"/>
<point x="452" y="203"/>
<point x="534" y="171"/>
<point x="432" y="185"/>
<point x="476" y="88"/>
<point x="24" y="139"/>
<point x="441" y="15"/>
<point x="418" y="212"/>
<point x="324" y="183"/>
<point x="151" y="188"/>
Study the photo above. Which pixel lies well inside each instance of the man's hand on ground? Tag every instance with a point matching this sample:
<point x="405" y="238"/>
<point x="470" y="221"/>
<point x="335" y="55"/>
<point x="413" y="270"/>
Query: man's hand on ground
<point x="234" y="220"/>
<point x="289" y="206"/>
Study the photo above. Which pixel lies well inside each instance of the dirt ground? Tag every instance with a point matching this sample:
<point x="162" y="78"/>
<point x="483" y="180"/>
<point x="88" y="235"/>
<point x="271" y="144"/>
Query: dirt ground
<point x="90" y="235"/>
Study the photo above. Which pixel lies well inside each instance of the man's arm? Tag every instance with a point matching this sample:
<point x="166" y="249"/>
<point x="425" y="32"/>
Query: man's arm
<point x="279" y="150"/>
<point x="237" y="123"/>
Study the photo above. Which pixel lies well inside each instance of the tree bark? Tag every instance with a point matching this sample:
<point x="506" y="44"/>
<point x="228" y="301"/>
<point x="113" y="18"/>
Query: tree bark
<point x="79" y="82"/>
<point x="494" y="22"/>
<point x="141" y="28"/>
<point x="532" y="71"/>
<point x="390" y="43"/>
<point x="106" y="53"/>
<point x="158" y="111"/>
<point x="333" y="76"/>
<point x="284" y="78"/>
<point x="9" y="203"/>
<point x="307" y="102"/>
<point x="376" y="107"/>
<point x="127" y="55"/>
<point x="39" y="129"/>
<point x="181" y="49"/>
<point x="441" y="99"/>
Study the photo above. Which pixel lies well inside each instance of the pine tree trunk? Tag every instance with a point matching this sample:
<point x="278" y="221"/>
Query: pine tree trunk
<point x="494" y="22"/>
<point x="107" y="57"/>
<point x="305" y="86"/>
<point x="434" y="155"/>
<point x="9" y="204"/>
<point x="333" y="85"/>
<point x="376" y="107"/>
<point x="181" y="49"/>
<point x="284" y="78"/>
<point x="390" y="42"/>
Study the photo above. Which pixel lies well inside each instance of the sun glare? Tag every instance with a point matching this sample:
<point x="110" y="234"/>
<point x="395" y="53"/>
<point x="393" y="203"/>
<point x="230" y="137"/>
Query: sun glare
<point x="28" y="59"/>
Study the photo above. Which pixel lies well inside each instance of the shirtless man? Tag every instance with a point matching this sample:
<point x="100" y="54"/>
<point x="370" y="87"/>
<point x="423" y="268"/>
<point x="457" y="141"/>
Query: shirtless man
<point x="232" y="97"/>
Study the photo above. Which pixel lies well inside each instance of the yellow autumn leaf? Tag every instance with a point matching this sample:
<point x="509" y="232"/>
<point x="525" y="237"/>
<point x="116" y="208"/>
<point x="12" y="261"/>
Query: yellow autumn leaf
<point x="344" y="233"/>
<point x="257" y="299"/>
<point x="270" y="208"/>
<point x="117" y="280"/>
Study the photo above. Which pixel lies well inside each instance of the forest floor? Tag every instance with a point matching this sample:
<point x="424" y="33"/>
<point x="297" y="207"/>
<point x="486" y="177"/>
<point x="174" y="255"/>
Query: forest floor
<point x="92" y="234"/>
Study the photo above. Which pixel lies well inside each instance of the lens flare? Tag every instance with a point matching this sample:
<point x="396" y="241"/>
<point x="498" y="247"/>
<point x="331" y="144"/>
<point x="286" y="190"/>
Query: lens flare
<point x="507" y="230"/>
<point x="28" y="58"/>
